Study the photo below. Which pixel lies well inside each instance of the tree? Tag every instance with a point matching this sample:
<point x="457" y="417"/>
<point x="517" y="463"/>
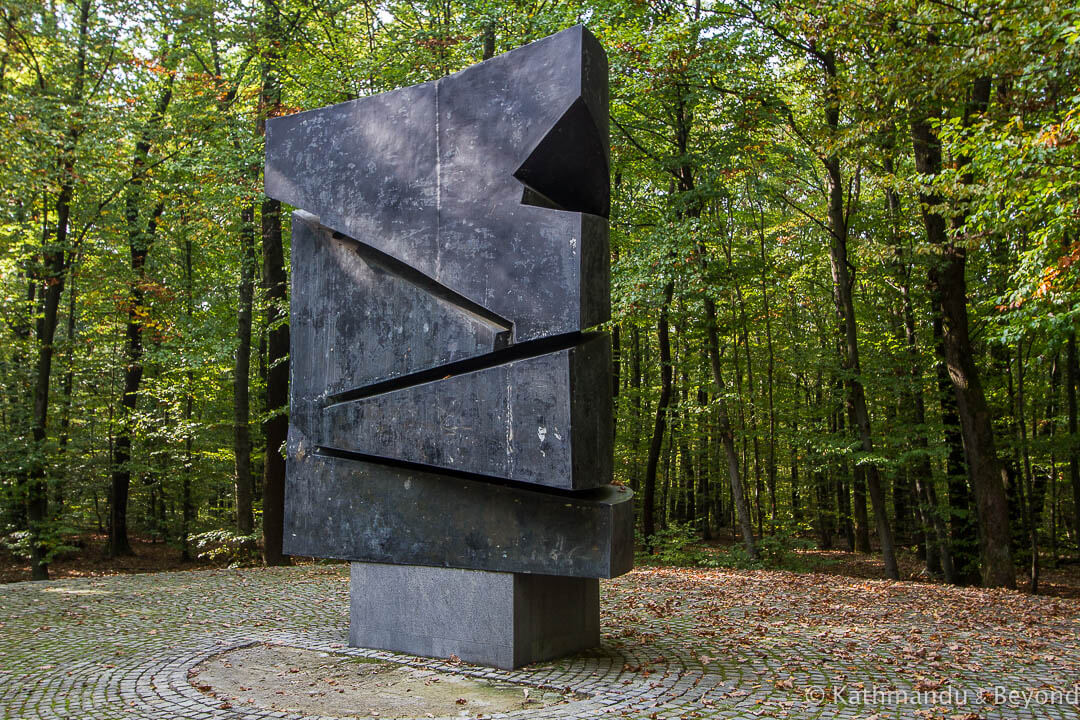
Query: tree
<point x="142" y="228"/>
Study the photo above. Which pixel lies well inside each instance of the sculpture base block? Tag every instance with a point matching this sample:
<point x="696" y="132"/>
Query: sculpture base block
<point x="503" y="620"/>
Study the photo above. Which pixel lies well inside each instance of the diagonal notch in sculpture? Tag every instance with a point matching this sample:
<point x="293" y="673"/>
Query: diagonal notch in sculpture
<point x="451" y="422"/>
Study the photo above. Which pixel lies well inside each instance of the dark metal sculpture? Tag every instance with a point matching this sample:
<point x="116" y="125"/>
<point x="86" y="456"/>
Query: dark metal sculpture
<point x="451" y="423"/>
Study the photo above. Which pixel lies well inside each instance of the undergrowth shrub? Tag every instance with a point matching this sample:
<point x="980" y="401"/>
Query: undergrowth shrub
<point x="680" y="545"/>
<point x="226" y="545"/>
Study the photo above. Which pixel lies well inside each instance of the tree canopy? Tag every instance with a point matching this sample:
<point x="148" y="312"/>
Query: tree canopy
<point x="844" y="247"/>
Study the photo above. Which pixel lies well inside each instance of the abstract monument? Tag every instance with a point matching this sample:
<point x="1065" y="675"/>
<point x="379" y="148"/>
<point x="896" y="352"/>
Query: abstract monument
<point x="451" y="425"/>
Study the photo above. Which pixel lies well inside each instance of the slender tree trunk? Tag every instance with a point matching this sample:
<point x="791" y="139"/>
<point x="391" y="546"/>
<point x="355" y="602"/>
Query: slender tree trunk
<point x="275" y="286"/>
<point x="913" y="398"/>
<point x="963" y="530"/>
<point x="750" y="415"/>
<point x="141" y="235"/>
<point x="727" y="437"/>
<point x="1040" y="428"/>
<point x="841" y="484"/>
<point x="648" y="518"/>
<point x="489" y="40"/>
<point x="1050" y="430"/>
<point x="54" y="265"/>
<point x="826" y="498"/>
<point x="140" y="240"/>
<point x="703" y="490"/>
<point x="616" y="362"/>
<point x="842" y="285"/>
<point x="948" y="284"/>
<point x="770" y="367"/>
<point x="796" y="499"/>
<point x="616" y="342"/>
<point x="672" y="485"/>
<point x="241" y="407"/>
<point x="859" y="516"/>
<point x="1072" y="374"/>
<point x="67" y="387"/>
<point x="636" y="414"/>
<point x="37" y="496"/>
<point x="186" y="507"/>
<point x="843" y="282"/>
<point x="1028" y="501"/>
<point x="686" y="463"/>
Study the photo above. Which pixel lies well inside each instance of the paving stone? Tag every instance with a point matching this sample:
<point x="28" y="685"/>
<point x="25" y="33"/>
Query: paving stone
<point x="676" y="644"/>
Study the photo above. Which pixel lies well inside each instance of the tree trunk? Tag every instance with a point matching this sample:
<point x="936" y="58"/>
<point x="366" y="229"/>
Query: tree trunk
<point x="963" y="530"/>
<point x="37" y="497"/>
<point x="856" y="398"/>
<point x="54" y="265"/>
<point x="913" y="399"/>
<point x="751" y="420"/>
<point x="275" y="285"/>
<point x="843" y="282"/>
<point x="796" y="499"/>
<point x="948" y="285"/>
<point x="727" y="437"/>
<point x="1030" y="514"/>
<point x="1072" y="374"/>
<point x="140" y="238"/>
<point x="636" y="414"/>
<point x="688" y="479"/>
<point x="648" y="510"/>
<point x="245" y="523"/>
<point x="67" y="387"/>
<point x="186" y="507"/>
<point x="859" y="517"/>
<point x="770" y="368"/>
<point x="843" y="491"/>
<point x="489" y="40"/>
<point x="704" y="488"/>
<point x="823" y="494"/>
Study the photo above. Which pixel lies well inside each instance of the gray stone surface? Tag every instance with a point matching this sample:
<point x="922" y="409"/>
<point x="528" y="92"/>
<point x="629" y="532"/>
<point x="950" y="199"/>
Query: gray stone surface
<point x="426" y="174"/>
<point x="538" y="419"/>
<point x="362" y="511"/>
<point x="504" y="620"/>
<point x="676" y="643"/>
<point x="417" y="263"/>
<point x="450" y="397"/>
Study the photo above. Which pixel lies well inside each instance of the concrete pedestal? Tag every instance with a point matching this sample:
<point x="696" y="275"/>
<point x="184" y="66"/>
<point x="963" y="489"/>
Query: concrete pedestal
<point x="504" y="620"/>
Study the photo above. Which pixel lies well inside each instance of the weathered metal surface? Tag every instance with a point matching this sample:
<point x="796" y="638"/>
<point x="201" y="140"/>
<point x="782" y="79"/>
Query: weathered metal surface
<point x="370" y="511"/>
<point x="427" y="175"/>
<point x="517" y="421"/>
<point x="355" y="323"/>
<point x="451" y="407"/>
<point x="360" y="329"/>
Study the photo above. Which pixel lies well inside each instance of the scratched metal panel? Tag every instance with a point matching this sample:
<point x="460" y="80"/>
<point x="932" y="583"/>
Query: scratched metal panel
<point x="354" y="323"/>
<point x="427" y="175"/>
<point x="362" y="511"/>
<point x="452" y="250"/>
<point x="519" y="421"/>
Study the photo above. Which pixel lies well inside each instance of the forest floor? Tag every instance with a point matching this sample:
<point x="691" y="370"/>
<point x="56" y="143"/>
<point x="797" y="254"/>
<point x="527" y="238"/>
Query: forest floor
<point x="678" y="642"/>
<point x="262" y="643"/>
<point x="89" y="558"/>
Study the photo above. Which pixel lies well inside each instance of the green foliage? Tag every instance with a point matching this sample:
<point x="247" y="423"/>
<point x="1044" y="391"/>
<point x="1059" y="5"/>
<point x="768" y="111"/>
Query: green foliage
<point x="227" y="545"/>
<point x="57" y="538"/>
<point x="680" y="545"/>
<point x="719" y="123"/>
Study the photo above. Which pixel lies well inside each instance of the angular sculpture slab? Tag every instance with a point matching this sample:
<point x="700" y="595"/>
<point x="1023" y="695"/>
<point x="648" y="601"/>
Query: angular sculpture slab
<point x="451" y="407"/>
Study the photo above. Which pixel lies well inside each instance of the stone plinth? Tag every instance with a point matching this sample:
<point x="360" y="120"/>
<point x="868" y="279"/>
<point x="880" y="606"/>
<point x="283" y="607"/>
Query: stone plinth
<point x="505" y="620"/>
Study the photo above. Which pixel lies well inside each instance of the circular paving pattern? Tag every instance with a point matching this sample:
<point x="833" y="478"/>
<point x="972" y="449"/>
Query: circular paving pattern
<point x="677" y="643"/>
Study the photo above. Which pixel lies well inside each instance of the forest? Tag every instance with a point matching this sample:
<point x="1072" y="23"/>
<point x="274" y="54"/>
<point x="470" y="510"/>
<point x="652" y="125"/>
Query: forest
<point x="844" y="240"/>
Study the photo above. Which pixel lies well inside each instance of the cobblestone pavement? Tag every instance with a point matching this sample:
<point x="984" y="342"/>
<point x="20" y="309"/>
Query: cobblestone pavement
<point x="678" y="643"/>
